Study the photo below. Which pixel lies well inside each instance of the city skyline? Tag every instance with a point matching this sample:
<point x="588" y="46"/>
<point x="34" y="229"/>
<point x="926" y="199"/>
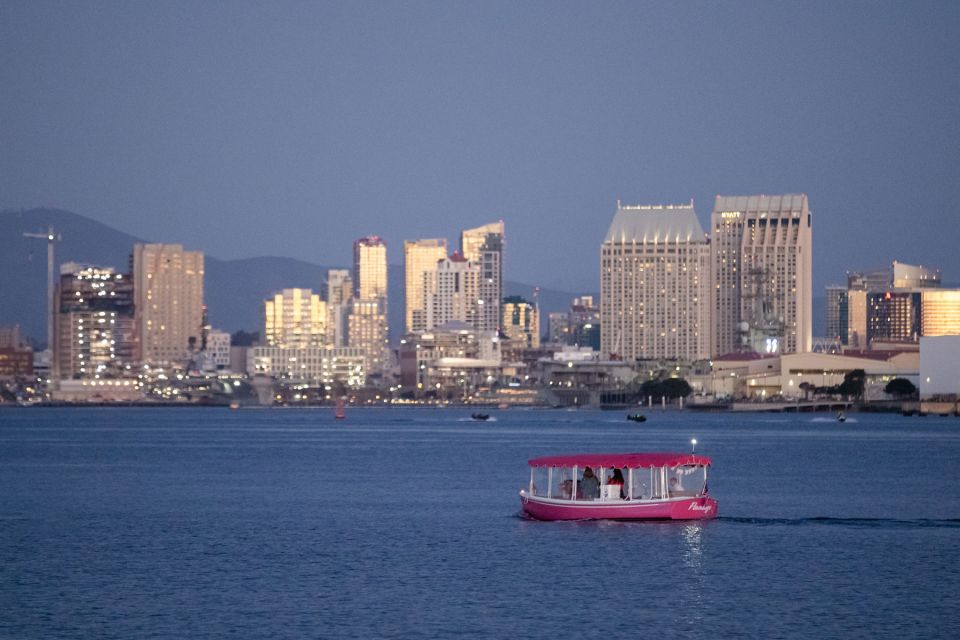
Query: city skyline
<point x="449" y="114"/>
<point x="24" y="250"/>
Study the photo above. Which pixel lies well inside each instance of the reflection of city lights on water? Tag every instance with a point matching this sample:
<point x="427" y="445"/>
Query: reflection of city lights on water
<point x="694" y="586"/>
<point x="693" y="537"/>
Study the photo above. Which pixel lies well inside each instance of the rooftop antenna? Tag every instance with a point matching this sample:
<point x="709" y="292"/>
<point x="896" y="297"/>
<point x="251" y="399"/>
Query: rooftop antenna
<point x="693" y="445"/>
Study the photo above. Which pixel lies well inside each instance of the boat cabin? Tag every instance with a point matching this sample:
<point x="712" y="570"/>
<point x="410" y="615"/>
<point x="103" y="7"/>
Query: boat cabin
<point x="617" y="477"/>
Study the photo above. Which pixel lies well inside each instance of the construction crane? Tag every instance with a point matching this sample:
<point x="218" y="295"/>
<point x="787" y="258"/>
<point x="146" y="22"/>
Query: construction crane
<point x="51" y="237"/>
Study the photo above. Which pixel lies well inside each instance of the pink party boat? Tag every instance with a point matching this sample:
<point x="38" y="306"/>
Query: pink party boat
<point x="619" y="486"/>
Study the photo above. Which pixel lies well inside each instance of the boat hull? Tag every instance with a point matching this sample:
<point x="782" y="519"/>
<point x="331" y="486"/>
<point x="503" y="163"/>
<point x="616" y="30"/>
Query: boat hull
<point x="694" y="508"/>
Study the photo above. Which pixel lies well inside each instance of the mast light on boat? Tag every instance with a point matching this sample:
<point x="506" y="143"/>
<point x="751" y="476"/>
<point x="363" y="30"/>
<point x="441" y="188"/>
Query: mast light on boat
<point x="693" y="445"/>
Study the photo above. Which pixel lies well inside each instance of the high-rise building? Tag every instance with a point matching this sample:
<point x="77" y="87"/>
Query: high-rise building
<point x="838" y="317"/>
<point x="11" y="337"/>
<point x="339" y="286"/>
<point x="870" y="280"/>
<point x="295" y="318"/>
<point x="584" y="323"/>
<point x="559" y="327"/>
<point x="579" y="326"/>
<point x="941" y="312"/>
<point x="16" y="362"/>
<point x="887" y="304"/>
<point x="367" y="320"/>
<point x="451" y="292"/>
<point x="339" y="295"/>
<point x="908" y="276"/>
<point x="168" y="301"/>
<point x="93" y="323"/>
<point x="420" y="258"/>
<point x="521" y="321"/>
<point x="370" y="268"/>
<point x="367" y="330"/>
<point x="893" y="316"/>
<point x="485" y="246"/>
<point x="906" y="315"/>
<point x="472" y="240"/>
<point x="761" y="254"/>
<point x="896" y="276"/>
<point x="654" y="279"/>
<point x="857" y="318"/>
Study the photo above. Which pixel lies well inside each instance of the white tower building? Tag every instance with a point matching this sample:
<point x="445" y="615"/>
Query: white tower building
<point x="654" y="284"/>
<point x="452" y="292"/>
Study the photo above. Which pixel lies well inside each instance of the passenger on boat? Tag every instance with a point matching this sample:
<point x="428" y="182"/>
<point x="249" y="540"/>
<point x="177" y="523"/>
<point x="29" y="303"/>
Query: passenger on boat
<point x="589" y="485"/>
<point x="676" y="489"/>
<point x="617" y="478"/>
<point x="566" y="489"/>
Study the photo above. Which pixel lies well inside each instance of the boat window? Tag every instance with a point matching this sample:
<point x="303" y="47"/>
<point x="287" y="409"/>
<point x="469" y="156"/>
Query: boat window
<point x="589" y="481"/>
<point x="553" y="482"/>
<point x="562" y="483"/>
<point x="686" y="480"/>
<point x="638" y="484"/>
<point x="540" y="482"/>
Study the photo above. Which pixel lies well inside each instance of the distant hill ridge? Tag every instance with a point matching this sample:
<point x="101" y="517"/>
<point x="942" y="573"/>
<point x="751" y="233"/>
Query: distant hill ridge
<point x="234" y="290"/>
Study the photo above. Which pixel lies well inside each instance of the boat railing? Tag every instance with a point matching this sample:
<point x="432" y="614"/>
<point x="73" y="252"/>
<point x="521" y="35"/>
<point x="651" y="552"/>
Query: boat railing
<point x="682" y="495"/>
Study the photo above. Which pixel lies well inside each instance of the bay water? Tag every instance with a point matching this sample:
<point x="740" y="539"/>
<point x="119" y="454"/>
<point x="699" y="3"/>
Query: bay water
<point x="405" y="523"/>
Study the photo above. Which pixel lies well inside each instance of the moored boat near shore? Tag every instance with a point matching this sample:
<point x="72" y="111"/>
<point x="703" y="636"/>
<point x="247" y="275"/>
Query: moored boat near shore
<point x="619" y="486"/>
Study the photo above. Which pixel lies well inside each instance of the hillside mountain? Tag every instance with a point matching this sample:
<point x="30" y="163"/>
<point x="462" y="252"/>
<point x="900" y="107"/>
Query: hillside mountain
<point x="234" y="290"/>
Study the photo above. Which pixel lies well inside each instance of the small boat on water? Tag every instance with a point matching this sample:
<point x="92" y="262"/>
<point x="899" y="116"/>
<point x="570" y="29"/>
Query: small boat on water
<point x="234" y="405"/>
<point x="619" y="486"/>
<point x="480" y="416"/>
<point x="841" y="417"/>
<point x="636" y="417"/>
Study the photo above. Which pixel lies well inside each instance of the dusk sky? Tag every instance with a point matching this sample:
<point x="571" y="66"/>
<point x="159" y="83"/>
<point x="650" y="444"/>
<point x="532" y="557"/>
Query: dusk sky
<point x="290" y="129"/>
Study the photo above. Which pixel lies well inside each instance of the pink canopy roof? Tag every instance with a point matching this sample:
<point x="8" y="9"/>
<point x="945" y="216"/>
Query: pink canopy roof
<point x="620" y="460"/>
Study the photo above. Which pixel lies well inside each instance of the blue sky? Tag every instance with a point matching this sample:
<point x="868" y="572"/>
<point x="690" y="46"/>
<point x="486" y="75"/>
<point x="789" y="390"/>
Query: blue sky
<point x="248" y="129"/>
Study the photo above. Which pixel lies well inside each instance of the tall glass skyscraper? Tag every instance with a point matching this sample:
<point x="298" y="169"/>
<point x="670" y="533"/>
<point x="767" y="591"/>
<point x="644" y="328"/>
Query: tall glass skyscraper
<point x="837" y="313"/>
<point x="484" y="245"/>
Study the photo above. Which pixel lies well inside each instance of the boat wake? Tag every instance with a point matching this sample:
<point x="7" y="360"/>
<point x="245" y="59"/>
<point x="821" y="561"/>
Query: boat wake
<point x="880" y="523"/>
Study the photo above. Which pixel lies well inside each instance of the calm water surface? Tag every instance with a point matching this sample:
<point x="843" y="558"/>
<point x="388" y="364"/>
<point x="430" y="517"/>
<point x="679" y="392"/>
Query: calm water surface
<point x="203" y="523"/>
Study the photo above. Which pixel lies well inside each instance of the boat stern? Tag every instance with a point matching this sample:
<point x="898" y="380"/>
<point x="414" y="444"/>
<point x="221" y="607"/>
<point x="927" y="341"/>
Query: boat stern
<point x="694" y="509"/>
